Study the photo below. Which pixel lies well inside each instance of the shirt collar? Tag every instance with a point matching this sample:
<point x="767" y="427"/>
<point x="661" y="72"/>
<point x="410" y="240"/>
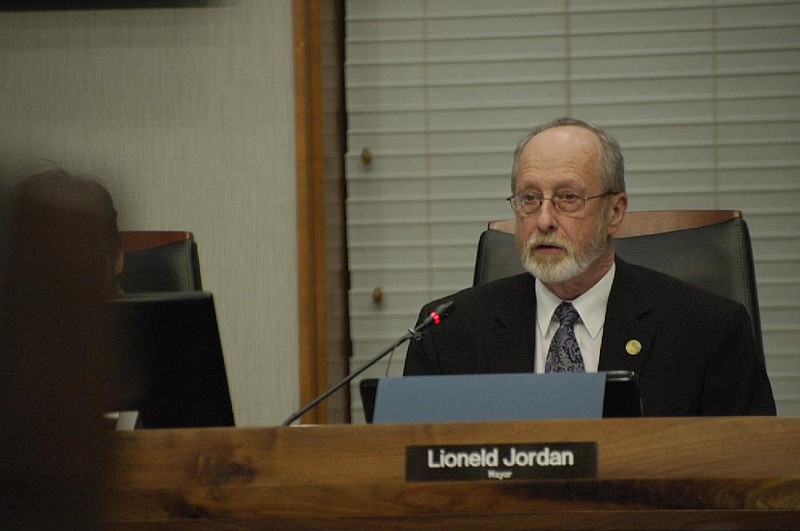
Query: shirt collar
<point x="591" y="305"/>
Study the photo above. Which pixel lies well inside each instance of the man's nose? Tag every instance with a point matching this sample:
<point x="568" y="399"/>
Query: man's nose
<point x="546" y="217"/>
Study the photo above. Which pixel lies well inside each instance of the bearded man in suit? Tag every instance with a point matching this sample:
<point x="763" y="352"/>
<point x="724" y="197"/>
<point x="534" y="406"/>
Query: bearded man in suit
<point x="693" y="351"/>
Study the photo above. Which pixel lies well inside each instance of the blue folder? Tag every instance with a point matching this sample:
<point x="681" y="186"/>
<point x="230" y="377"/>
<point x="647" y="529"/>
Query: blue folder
<point x="481" y="397"/>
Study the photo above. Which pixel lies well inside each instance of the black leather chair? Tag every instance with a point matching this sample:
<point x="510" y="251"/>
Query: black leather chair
<point x="160" y="261"/>
<point x="707" y="248"/>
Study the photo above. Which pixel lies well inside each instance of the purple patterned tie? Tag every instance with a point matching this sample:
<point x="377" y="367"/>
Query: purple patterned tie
<point x="564" y="353"/>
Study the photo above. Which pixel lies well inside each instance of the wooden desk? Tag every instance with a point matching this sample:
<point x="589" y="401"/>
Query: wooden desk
<point x="718" y="473"/>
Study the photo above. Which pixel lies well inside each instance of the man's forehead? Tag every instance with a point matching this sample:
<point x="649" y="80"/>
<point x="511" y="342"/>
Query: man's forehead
<point x="561" y="149"/>
<point x="564" y="140"/>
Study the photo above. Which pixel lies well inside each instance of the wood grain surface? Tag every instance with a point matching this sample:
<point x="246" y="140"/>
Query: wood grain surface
<point x="652" y="474"/>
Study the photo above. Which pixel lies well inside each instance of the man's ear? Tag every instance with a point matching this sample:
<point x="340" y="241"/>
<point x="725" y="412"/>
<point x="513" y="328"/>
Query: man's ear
<point x="118" y="262"/>
<point x="616" y="212"/>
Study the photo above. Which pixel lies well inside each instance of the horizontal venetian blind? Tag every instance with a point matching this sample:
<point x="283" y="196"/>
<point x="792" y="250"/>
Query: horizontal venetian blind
<point x="704" y="97"/>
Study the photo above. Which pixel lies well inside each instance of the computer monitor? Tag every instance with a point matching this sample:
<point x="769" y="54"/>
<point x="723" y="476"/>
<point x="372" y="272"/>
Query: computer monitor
<point x="172" y="367"/>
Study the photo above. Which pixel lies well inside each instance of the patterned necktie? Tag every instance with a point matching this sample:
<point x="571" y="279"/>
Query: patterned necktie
<point x="564" y="353"/>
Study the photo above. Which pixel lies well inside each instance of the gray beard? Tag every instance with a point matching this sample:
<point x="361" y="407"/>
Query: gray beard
<point x="551" y="273"/>
<point x="569" y="267"/>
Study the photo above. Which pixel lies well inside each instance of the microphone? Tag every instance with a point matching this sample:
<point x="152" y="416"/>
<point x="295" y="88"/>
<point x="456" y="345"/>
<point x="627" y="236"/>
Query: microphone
<point x="433" y="319"/>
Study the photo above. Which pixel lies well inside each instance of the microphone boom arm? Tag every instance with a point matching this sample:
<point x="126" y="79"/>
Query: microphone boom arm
<point x="433" y="319"/>
<point x="299" y="413"/>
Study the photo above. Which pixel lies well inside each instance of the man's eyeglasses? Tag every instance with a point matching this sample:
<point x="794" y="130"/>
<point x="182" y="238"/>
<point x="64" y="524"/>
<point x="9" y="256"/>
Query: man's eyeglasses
<point x="565" y="202"/>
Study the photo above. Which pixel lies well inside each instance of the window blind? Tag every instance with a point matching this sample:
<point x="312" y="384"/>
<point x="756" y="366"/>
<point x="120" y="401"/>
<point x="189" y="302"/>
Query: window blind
<point x="703" y="96"/>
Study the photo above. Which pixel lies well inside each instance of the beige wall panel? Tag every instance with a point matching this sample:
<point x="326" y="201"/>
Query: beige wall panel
<point x="187" y="115"/>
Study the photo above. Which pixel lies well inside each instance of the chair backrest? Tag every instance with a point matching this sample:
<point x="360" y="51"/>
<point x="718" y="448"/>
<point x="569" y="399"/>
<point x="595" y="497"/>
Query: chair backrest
<point x="160" y="261"/>
<point x="707" y="248"/>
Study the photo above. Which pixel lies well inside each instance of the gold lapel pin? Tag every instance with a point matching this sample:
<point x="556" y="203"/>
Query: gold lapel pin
<point x="633" y="347"/>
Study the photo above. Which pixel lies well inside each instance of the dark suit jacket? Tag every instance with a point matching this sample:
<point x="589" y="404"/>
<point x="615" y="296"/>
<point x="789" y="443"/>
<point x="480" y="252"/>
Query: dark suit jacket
<point x="698" y="355"/>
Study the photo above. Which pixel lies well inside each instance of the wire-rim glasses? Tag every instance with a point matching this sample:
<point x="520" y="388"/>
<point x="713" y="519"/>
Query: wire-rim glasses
<point x="565" y="202"/>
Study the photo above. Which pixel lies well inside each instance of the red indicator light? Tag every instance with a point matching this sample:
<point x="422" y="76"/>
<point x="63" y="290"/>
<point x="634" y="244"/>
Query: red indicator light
<point x="436" y="318"/>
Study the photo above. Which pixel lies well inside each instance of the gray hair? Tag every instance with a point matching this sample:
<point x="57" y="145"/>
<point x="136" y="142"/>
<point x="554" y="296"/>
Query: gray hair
<point x="612" y="164"/>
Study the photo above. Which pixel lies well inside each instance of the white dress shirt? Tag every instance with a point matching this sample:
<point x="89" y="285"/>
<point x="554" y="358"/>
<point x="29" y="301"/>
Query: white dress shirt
<point x="591" y="307"/>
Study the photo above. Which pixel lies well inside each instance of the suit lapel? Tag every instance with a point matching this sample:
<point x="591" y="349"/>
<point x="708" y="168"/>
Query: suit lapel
<point x="511" y="346"/>
<point x="627" y="336"/>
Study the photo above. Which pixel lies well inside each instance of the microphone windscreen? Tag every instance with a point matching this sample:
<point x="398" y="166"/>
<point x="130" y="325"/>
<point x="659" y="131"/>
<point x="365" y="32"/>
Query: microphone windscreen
<point x="445" y="309"/>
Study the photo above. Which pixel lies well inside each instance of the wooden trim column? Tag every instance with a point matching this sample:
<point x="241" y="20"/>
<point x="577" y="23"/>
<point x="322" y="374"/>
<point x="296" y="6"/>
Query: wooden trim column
<point x="310" y="206"/>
